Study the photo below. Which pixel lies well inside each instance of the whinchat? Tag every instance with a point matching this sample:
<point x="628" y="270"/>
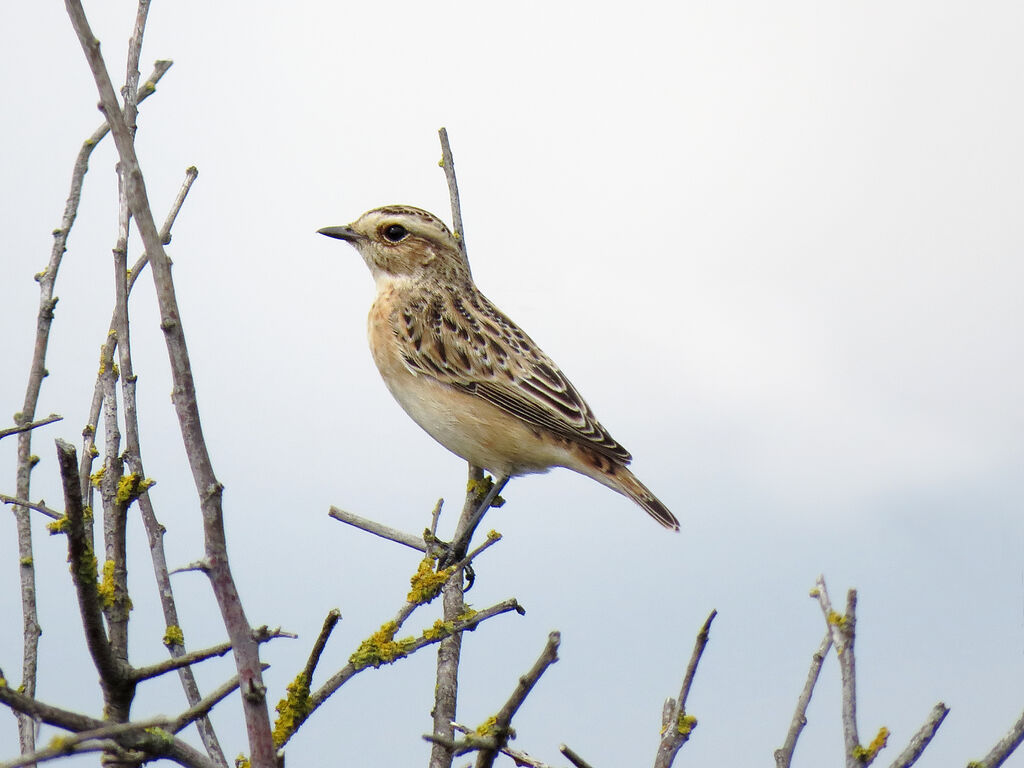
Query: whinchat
<point x="465" y="372"/>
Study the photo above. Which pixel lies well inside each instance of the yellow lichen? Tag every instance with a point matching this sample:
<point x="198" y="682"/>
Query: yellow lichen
<point x="292" y="709"/>
<point x="130" y="487"/>
<point x="97" y="477"/>
<point x="26" y="561"/>
<point x="493" y="535"/>
<point x="867" y="754"/>
<point x="439" y="631"/>
<point x="837" y="619"/>
<point x="685" y="724"/>
<point x="60" y="525"/>
<point x="173" y="636"/>
<point x="241" y="761"/>
<point x="380" y="648"/>
<point x="486" y="726"/>
<point x="426" y="583"/>
<point x="467" y="614"/>
<point x="106" y="586"/>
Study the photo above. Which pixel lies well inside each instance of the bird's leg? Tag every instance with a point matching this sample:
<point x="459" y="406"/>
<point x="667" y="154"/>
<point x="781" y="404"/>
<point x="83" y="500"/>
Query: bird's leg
<point x="461" y="543"/>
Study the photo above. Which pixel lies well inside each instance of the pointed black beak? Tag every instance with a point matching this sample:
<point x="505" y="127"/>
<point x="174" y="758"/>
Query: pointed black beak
<point x="341" y="233"/>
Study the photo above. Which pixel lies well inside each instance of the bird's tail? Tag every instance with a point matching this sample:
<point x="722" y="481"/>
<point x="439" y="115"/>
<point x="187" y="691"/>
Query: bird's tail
<point x="622" y="480"/>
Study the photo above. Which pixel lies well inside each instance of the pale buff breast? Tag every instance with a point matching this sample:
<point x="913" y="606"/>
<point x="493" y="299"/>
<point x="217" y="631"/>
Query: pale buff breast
<point x="466" y="425"/>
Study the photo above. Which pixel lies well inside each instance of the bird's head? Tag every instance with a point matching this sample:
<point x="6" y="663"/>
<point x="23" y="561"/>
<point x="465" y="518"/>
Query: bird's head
<point x="399" y="241"/>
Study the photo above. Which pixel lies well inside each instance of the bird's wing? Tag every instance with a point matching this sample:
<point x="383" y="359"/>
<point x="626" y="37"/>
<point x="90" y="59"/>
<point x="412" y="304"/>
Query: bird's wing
<point x="466" y="342"/>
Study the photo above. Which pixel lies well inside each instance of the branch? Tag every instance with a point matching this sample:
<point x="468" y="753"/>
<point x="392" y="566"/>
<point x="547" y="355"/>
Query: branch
<point x="675" y="723"/>
<point x="330" y="622"/>
<point x="573" y="758"/>
<point x="922" y="738"/>
<point x="446" y="689"/>
<point x="428" y="637"/>
<point x="246" y="650"/>
<point x="784" y="754"/>
<point x="197" y="712"/>
<point x="176" y="662"/>
<point x="448" y="163"/>
<point x="843" y="630"/>
<point x="379" y="529"/>
<point x="83" y="572"/>
<point x="40" y="507"/>
<point x="30" y="426"/>
<point x="64" y="745"/>
<point x="501" y="730"/>
<point x="1004" y="748"/>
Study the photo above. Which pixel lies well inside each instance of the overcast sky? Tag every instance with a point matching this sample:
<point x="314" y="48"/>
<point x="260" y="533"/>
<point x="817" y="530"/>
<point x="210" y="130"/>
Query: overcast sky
<point x="777" y="246"/>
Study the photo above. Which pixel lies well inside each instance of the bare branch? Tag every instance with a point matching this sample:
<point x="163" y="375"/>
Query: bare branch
<point x="379" y="529"/>
<point x="330" y="622"/>
<point x="502" y="727"/>
<point x="447" y="687"/>
<point x="246" y="650"/>
<point x="922" y="738"/>
<point x="676" y="725"/>
<point x="38" y="507"/>
<point x="83" y="572"/>
<point x="30" y="426"/>
<point x="843" y="630"/>
<point x="448" y="163"/>
<point x="176" y="662"/>
<point x="573" y="758"/>
<point x="197" y="712"/>
<point x="431" y="636"/>
<point x="1004" y="748"/>
<point x="64" y="744"/>
<point x="784" y="754"/>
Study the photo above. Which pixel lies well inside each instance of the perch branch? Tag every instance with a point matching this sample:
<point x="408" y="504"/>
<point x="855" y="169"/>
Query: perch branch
<point x="922" y="738"/>
<point x="38" y="507"/>
<point x="573" y="758"/>
<point x="448" y="163"/>
<point x="30" y="426"/>
<point x="1004" y="747"/>
<point x="379" y="529"/>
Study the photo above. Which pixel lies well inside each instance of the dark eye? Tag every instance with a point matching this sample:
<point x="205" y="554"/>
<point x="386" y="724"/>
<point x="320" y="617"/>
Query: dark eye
<point x="395" y="232"/>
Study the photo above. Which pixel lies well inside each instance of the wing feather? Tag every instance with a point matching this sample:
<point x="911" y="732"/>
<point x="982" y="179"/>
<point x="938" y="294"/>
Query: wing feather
<point x="466" y="342"/>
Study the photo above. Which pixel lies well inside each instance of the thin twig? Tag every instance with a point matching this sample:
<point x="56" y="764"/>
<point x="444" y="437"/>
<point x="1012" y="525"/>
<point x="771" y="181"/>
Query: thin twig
<point x="177" y="662"/>
<point x="30" y="426"/>
<point x="1004" y="747"/>
<point x="379" y="529"/>
<point x="922" y="738"/>
<point x="64" y="744"/>
<point x="246" y="650"/>
<point x="37" y="506"/>
<point x="502" y="727"/>
<point x="197" y="712"/>
<point x="676" y="724"/>
<point x="843" y="630"/>
<point x="330" y="622"/>
<point x="573" y="757"/>
<point x="448" y="163"/>
<point x="350" y="670"/>
<point x="784" y="754"/>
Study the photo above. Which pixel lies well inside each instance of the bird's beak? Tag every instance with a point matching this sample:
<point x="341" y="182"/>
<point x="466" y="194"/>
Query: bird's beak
<point x="341" y="233"/>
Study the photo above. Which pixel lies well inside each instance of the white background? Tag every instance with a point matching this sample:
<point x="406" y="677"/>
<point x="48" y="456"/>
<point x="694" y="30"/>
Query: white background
<point x="777" y="247"/>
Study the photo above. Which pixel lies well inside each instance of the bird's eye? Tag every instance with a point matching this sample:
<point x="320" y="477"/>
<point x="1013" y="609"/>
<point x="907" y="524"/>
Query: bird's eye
<point x="395" y="232"/>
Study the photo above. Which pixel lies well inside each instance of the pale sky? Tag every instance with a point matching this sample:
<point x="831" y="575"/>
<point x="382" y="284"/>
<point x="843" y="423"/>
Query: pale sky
<point x="777" y="247"/>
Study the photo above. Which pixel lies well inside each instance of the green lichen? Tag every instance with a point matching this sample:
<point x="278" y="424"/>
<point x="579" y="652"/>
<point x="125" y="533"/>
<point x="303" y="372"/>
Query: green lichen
<point x="292" y="709"/>
<point x="26" y="561"/>
<point x="426" y="583"/>
<point x="866" y="755"/>
<point x="685" y="724"/>
<point x="97" y="477"/>
<point x="487" y="726"/>
<point x="174" y="637"/>
<point x="380" y="648"/>
<point x="60" y="525"/>
<point x="467" y="614"/>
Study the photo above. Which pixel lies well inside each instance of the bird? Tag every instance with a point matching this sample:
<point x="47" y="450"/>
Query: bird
<point x="465" y="372"/>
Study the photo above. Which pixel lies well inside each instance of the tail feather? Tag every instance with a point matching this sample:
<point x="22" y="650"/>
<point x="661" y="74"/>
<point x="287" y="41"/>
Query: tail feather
<point x="626" y="483"/>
